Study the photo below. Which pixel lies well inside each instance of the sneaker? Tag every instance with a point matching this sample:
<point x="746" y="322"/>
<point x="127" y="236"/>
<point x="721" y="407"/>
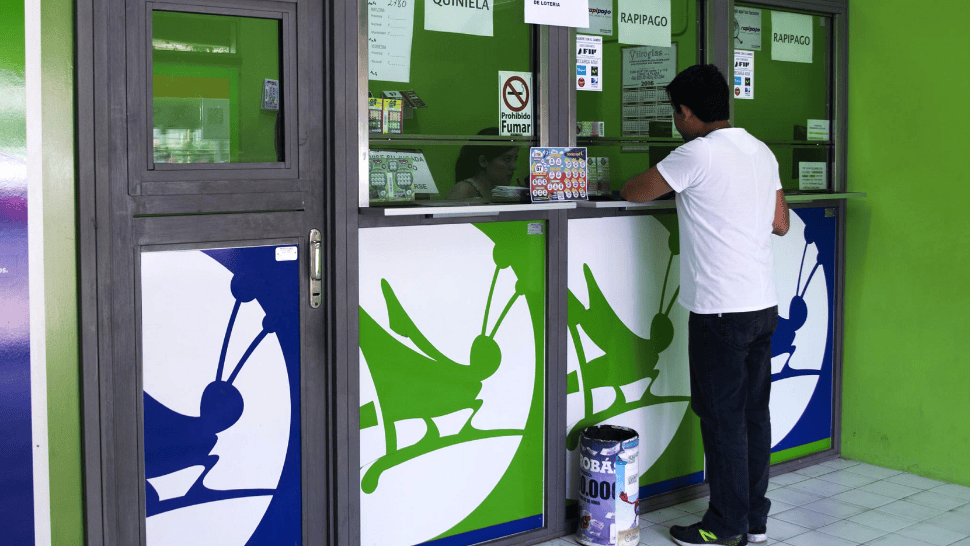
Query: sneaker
<point x="757" y="534"/>
<point x="695" y="536"/>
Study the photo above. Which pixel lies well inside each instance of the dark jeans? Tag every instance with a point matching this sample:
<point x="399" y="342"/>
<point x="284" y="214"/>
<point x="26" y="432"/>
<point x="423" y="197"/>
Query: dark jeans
<point x="730" y="382"/>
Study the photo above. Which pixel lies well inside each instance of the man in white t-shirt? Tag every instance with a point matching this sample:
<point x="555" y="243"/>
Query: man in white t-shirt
<point x="729" y="202"/>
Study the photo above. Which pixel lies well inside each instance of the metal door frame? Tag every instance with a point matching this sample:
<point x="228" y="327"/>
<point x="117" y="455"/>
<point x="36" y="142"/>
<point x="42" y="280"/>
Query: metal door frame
<point x="192" y="208"/>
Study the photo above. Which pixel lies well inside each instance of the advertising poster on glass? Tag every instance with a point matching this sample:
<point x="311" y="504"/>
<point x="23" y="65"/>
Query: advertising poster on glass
<point x="16" y="456"/>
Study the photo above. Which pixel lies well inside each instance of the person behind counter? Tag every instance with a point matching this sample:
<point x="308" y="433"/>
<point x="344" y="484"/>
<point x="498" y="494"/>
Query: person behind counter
<point x="729" y="202"/>
<point x="481" y="168"/>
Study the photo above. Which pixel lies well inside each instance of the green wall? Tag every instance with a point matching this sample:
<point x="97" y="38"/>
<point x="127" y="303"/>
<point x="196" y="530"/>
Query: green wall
<point x="906" y="366"/>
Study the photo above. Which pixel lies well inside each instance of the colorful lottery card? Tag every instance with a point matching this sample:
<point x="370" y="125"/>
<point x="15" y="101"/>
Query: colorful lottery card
<point x="558" y="174"/>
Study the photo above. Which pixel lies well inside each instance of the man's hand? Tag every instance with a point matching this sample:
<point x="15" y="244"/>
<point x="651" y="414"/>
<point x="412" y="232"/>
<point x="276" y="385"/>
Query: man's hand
<point x="645" y="187"/>
<point x="780" y="225"/>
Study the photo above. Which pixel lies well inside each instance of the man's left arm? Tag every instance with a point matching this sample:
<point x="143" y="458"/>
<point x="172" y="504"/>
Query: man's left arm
<point x="645" y="186"/>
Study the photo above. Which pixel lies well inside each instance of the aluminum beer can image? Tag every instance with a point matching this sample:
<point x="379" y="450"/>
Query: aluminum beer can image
<point x="609" y="489"/>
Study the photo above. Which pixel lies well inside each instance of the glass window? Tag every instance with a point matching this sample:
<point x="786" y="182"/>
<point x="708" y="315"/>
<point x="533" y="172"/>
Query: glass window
<point x="441" y="75"/>
<point x="790" y="109"/>
<point x="623" y="115"/>
<point x="216" y="89"/>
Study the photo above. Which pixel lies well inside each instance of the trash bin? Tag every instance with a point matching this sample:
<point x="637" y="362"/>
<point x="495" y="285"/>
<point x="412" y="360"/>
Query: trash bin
<point x="609" y="487"/>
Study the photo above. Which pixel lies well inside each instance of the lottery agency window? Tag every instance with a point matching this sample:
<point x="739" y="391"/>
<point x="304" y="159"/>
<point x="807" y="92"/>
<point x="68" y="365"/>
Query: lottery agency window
<point x="623" y="115"/>
<point x="783" y="91"/>
<point x="451" y="101"/>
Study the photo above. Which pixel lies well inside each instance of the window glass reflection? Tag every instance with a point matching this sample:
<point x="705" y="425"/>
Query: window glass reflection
<point x="216" y="89"/>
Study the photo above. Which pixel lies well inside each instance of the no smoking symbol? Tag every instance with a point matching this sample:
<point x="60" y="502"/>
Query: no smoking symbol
<point x="515" y="99"/>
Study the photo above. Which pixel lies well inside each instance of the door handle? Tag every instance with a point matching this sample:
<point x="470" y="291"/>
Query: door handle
<point x="315" y="262"/>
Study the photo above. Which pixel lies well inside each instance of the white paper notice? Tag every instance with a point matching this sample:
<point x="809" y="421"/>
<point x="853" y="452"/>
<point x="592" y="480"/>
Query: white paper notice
<point x="644" y="22"/>
<point x="743" y="74"/>
<point x="423" y="181"/>
<point x="390" y="29"/>
<point x="812" y="175"/>
<point x="818" y="129"/>
<point x="649" y="66"/>
<point x="747" y="29"/>
<point x="589" y="63"/>
<point x="458" y="16"/>
<point x="791" y="37"/>
<point x="559" y="13"/>
<point x="600" y="18"/>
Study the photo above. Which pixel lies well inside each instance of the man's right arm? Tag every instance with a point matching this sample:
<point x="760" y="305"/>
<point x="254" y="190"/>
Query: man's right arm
<point x="780" y="224"/>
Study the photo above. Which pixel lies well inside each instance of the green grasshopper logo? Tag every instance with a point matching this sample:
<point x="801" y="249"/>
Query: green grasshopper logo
<point x="411" y="385"/>
<point x="627" y="357"/>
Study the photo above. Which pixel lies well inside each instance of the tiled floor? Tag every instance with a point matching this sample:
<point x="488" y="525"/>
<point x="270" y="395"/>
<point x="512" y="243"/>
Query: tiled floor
<point x="841" y="503"/>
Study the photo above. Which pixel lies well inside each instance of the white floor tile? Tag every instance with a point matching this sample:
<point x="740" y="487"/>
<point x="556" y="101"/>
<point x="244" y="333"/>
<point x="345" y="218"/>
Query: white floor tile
<point x="654" y="537"/>
<point x="953" y="490"/>
<point x="850" y="530"/>
<point x="953" y="521"/>
<point x="835" y="508"/>
<point x="783" y="530"/>
<point x="696" y="506"/>
<point x="815" y="538"/>
<point x="662" y="515"/>
<point x="778" y="506"/>
<point x="864" y="498"/>
<point x="935" y="500"/>
<point x="932" y="534"/>
<point x="839" y="503"/>
<point x="792" y="496"/>
<point x="788" y="479"/>
<point x="912" y="480"/>
<point x="965" y="509"/>
<point x="910" y="510"/>
<point x="815" y="471"/>
<point x="889" y="523"/>
<point x="840" y="463"/>
<point x="897" y="540"/>
<point x="822" y="488"/>
<point x="845" y="477"/>
<point x="803" y="517"/>
<point x="874" y="471"/>
<point x="889" y="489"/>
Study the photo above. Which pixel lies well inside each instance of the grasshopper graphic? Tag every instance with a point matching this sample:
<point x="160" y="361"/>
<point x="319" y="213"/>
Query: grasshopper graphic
<point x="628" y="358"/>
<point x="783" y="341"/>
<point x="411" y="385"/>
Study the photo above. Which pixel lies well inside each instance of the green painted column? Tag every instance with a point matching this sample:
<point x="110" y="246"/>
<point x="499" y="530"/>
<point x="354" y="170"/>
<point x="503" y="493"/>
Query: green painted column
<point x="60" y="271"/>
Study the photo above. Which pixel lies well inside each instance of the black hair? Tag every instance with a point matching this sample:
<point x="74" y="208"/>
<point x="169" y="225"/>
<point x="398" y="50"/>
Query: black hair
<point x="703" y="89"/>
<point x="467" y="164"/>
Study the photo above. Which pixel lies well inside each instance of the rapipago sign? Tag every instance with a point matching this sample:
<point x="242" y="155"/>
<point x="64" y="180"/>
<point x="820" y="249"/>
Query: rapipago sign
<point x="791" y="37"/>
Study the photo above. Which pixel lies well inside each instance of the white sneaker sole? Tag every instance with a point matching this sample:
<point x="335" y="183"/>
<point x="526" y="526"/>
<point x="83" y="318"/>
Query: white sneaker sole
<point x="757" y="538"/>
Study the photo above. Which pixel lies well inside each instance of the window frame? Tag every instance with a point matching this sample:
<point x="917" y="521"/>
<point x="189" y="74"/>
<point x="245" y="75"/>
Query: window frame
<point x="149" y="178"/>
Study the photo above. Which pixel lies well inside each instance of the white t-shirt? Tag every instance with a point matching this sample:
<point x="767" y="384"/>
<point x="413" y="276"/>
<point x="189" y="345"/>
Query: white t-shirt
<point x="726" y="184"/>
